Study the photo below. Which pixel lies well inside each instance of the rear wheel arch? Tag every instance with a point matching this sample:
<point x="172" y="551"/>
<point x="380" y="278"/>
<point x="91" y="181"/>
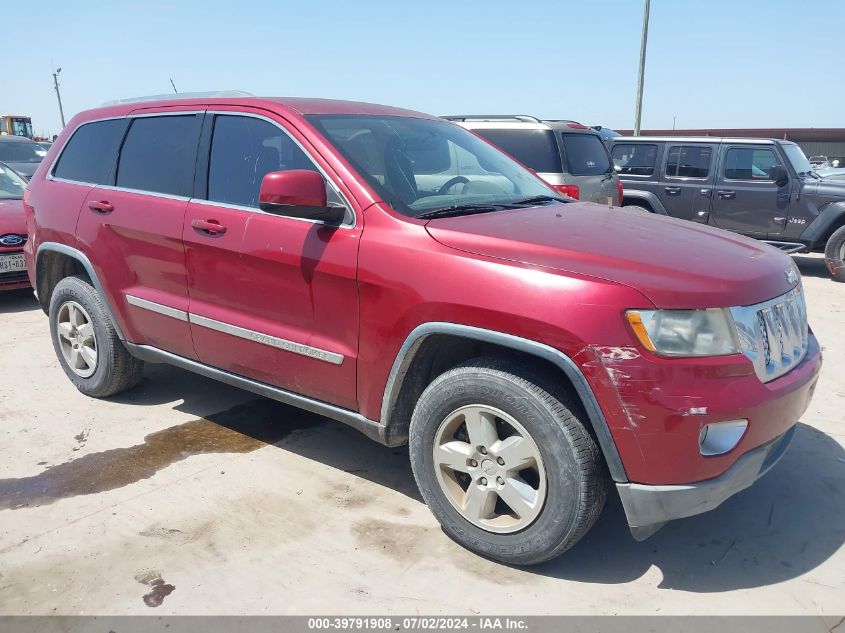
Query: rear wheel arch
<point x="54" y="262"/>
<point x="434" y="348"/>
<point x="644" y="199"/>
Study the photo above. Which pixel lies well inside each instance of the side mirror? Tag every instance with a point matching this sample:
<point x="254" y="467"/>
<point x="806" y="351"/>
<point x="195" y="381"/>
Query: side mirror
<point x="298" y="193"/>
<point x="778" y="174"/>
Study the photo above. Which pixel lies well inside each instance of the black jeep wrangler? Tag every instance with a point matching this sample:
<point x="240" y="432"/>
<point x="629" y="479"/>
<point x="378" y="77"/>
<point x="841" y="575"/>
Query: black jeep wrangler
<point x="763" y="188"/>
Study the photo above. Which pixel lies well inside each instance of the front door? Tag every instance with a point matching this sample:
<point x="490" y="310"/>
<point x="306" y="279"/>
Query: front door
<point x="686" y="185"/>
<point x="272" y="298"/>
<point x="745" y="199"/>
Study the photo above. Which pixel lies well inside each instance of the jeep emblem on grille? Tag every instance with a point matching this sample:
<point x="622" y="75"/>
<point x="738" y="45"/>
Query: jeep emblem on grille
<point x="791" y="277"/>
<point x="11" y="240"/>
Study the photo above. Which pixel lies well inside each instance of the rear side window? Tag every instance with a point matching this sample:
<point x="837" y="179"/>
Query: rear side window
<point x="689" y="161"/>
<point x="243" y="151"/>
<point x="91" y="152"/>
<point x="159" y="155"/>
<point x="586" y="154"/>
<point x="536" y="149"/>
<point x="635" y="159"/>
<point x="749" y="163"/>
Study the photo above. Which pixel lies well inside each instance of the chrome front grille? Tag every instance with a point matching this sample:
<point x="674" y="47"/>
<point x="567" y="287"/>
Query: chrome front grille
<point x="774" y="334"/>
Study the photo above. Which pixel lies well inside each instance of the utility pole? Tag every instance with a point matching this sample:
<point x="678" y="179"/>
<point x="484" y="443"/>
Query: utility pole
<point x="58" y="94"/>
<point x="639" y="111"/>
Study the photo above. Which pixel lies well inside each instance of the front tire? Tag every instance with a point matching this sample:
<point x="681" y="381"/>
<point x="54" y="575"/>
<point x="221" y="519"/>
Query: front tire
<point x="508" y="469"/>
<point x="86" y="344"/>
<point x="834" y="254"/>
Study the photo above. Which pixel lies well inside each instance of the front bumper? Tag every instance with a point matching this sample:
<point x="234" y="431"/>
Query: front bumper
<point x="648" y="508"/>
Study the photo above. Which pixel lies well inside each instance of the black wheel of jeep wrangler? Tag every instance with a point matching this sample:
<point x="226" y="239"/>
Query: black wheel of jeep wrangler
<point x="508" y="469"/>
<point x="88" y="348"/>
<point x="834" y="254"/>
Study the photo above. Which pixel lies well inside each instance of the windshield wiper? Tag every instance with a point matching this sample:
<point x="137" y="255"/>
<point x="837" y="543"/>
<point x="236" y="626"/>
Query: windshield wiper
<point x="810" y="173"/>
<point x="461" y="209"/>
<point x="539" y="199"/>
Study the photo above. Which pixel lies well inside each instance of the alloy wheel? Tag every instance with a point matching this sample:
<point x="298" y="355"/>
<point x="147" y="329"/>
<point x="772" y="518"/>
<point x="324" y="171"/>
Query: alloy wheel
<point x="77" y="340"/>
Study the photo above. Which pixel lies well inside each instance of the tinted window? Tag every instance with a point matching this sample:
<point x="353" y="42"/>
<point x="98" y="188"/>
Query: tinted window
<point x="635" y="159"/>
<point x="690" y="161"/>
<point x="536" y="149"/>
<point x="243" y="151"/>
<point x="90" y="154"/>
<point x="748" y="163"/>
<point x="159" y="154"/>
<point x="15" y="151"/>
<point x="586" y="154"/>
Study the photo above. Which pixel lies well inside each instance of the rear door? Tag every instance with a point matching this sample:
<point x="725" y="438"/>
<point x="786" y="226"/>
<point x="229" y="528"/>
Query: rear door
<point x="687" y="177"/>
<point x="745" y="199"/>
<point x="273" y="298"/>
<point x="587" y="165"/>
<point x="133" y="228"/>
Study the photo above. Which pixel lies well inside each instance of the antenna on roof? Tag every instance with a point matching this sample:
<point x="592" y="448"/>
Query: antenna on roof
<point x="218" y="94"/>
<point x="174" y="85"/>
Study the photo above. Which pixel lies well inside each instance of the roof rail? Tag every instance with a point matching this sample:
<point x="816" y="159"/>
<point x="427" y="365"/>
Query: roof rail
<point x="525" y="118"/>
<point x="180" y="95"/>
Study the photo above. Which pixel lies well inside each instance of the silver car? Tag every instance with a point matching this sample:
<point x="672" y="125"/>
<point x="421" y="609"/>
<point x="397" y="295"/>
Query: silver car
<point x="569" y="156"/>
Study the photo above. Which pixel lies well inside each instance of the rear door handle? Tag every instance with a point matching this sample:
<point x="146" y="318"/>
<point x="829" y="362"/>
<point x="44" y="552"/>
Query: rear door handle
<point x="673" y="191"/>
<point x="209" y="227"/>
<point x="727" y="195"/>
<point x="102" y="206"/>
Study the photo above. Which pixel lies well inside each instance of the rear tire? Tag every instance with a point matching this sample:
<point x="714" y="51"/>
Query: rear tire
<point x="86" y="344"/>
<point x="534" y="483"/>
<point x="834" y="254"/>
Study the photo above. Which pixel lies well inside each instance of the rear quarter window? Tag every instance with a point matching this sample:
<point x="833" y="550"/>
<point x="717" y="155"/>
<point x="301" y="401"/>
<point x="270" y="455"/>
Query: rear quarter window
<point x="536" y="149"/>
<point x="90" y="154"/>
<point x="634" y="159"/>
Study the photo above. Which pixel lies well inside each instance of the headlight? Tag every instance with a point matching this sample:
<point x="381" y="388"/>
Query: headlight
<point x="685" y="332"/>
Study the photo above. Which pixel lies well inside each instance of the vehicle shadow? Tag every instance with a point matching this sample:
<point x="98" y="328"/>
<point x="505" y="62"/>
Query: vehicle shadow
<point x="811" y="266"/>
<point x="13" y="301"/>
<point x="787" y="524"/>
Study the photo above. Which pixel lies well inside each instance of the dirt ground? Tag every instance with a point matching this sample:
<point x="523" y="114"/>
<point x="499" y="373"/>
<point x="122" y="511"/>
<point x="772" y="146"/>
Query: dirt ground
<point x="186" y="496"/>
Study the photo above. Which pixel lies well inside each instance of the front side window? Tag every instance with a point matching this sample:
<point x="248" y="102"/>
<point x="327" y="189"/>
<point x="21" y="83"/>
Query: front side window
<point x="634" y="159"/>
<point x="243" y="151"/>
<point x="91" y="152"/>
<point x="586" y="154"/>
<point x="11" y="185"/>
<point x="749" y="163"/>
<point x="689" y="161"/>
<point x="405" y="161"/>
<point x="159" y="155"/>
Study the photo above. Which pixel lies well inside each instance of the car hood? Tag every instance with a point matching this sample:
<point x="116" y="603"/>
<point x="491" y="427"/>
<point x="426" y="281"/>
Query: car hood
<point x="24" y="169"/>
<point x="825" y="188"/>
<point x="12" y="217"/>
<point x="674" y="263"/>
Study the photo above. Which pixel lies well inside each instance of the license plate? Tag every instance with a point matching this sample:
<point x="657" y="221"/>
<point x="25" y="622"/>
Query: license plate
<point x="11" y="263"/>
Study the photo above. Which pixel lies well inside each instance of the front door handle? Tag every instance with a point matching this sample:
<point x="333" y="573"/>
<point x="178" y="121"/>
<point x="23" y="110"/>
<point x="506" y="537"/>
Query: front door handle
<point x="706" y="193"/>
<point x="102" y="207"/>
<point x="209" y="227"/>
<point x="673" y="191"/>
<point x="727" y="195"/>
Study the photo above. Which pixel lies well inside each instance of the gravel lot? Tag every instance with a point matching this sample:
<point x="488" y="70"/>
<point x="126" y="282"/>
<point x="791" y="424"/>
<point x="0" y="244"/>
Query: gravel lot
<point x="186" y="496"/>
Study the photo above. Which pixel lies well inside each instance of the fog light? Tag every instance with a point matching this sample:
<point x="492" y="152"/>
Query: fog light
<point x="720" y="437"/>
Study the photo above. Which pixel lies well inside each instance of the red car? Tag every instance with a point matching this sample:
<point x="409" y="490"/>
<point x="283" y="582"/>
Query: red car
<point x="395" y="272"/>
<point x="12" y="230"/>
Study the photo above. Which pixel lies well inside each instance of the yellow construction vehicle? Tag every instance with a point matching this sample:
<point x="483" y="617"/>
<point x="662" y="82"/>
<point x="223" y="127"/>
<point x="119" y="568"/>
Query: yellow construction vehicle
<point x="15" y="125"/>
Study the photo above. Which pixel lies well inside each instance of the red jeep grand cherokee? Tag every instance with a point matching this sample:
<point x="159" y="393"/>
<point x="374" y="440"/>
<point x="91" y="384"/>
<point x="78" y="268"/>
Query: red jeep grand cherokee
<point x="393" y="271"/>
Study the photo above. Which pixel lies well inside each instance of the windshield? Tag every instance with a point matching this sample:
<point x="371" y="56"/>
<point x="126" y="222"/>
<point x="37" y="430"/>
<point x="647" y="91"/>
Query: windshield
<point x="21" y="152"/>
<point x="420" y="165"/>
<point x="799" y="162"/>
<point x="586" y="154"/>
<point x="11" y="185"/>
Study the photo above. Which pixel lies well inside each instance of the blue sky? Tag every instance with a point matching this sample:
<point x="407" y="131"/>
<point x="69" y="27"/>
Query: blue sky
<point x="714" y="63"/>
